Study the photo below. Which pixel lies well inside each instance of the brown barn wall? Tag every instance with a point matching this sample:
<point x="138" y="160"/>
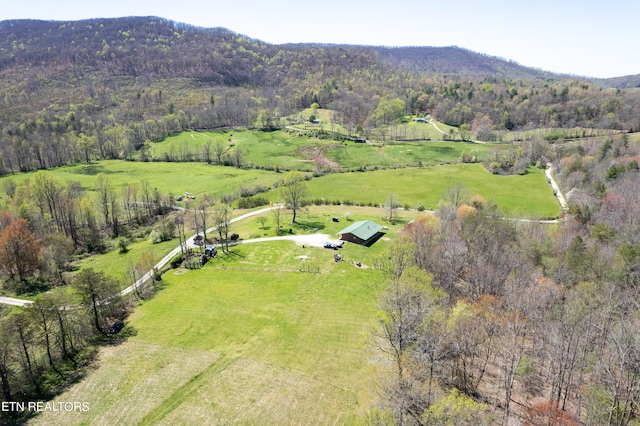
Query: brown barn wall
<point x="351" y="238"/>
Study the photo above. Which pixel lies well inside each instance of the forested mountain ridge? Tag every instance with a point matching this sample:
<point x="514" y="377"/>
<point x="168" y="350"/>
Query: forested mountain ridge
<point x="96" y="41"/>
<point x="100" y="88"/>
<point x="125" y="42"/>
<point x="456" y="60"/>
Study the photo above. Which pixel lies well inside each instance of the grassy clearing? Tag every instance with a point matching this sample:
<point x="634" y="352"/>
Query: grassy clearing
<point x="272" y="150"/>
<point x="320" y="218"/>
<point x="413" y="131"/>
<point x="247" y="339"/>
<point x="128" y="382"/>
<point x="253" y="392"/>
<point x="175" y="178"/>
<point x="528" y="195"/>
<point x="396" y="154"/>
<point x="283" y="150"/>
<point x="117" y="265"/>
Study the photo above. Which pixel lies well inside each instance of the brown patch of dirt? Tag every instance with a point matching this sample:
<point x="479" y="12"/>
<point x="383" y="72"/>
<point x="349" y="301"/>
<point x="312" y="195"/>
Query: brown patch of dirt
<point x="316" y="155"/>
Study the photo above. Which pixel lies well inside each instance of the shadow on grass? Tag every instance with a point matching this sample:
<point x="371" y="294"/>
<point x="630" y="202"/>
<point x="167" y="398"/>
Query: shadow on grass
<point x="120" y="337"/>
<point x="91" y="170"/>
<point x="373" y="239"/>
<point x="307" y="226"/>
<point x="397" y="220"/>
<point x="230" y="255"/>
<point x="29" y="287"/>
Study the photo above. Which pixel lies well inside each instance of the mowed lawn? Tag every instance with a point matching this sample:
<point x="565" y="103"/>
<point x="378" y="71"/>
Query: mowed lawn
<point x="248" y="339"/>
<point x="529" y="195"/>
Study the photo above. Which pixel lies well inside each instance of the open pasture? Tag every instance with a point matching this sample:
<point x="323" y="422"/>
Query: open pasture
<point x="248" y="339"/>
<point x="528" y="195"/>
<point x="175" y="178"/>
<point x="141" y="256"/>
<point x="288" y="150"/>
<point x="524" y="195"/>
<point x="399" y="154"/>
<point x="272" y="150"/>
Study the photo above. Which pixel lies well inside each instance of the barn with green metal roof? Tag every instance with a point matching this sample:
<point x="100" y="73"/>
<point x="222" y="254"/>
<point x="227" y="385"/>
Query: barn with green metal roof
<point x="365" y="232"/>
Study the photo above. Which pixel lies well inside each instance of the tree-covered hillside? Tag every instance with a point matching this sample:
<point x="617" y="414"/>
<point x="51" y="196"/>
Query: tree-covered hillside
<point x="72" y="91"/>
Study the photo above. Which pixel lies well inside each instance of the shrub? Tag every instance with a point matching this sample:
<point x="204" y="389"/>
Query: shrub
<point x="162" y="232"/>
<point x="176" y="261"/>
<point x="260" y="188"/>
<point x="468" y="157"/>
<point x="249" y="203"/>
<point x="228" y="198"/>
<point x="245" y="191"/>
<point x="155" y="236"/>
<point x="122" y="245"/>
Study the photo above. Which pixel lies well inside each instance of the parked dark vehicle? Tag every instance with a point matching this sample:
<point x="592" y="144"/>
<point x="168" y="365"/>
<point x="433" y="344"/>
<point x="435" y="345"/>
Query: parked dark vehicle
<point x="210" y="251"/>
<point x="116" y="327"/>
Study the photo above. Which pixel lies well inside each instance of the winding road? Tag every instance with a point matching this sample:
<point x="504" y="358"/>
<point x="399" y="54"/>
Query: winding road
<point x="433" y="123"/>
<point x="190" y="244"/>
<point x="23" y="302"/>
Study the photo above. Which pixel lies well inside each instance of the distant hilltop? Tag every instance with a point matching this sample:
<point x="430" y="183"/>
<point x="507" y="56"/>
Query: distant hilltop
<point x="92" y="40"/>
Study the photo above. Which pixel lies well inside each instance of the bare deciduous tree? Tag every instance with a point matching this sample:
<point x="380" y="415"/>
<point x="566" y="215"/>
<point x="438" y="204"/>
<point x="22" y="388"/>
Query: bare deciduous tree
<point x="294" y="190"/>
<point x="391" y="204"/>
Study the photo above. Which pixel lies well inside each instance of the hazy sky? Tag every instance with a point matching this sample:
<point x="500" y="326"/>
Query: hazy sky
<point x="586" y="37"/>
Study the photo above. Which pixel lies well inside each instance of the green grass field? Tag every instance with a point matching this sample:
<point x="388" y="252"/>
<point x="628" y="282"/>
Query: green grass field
<point x="271" y="150"/>
<point x="175" y="178"/>
<point x="399" y="154"/>
<point x="528" y="195"/>
<point x="118" y="265"/>
<point x="248" y="339"/>
<point x="288" y="150"/>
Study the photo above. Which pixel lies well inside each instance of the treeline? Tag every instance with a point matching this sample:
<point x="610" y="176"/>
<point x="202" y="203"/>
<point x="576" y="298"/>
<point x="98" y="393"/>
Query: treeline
<point x="110" y="85"/>
<point x="487" y="319"/>
<point x="46" y="222"/>
<point x="45" y="226"/>
<point x="47" y="342"/>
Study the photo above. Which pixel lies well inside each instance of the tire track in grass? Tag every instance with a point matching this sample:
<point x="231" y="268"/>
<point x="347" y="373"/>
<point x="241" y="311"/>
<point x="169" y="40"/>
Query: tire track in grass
<point x="185" y="391"/>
